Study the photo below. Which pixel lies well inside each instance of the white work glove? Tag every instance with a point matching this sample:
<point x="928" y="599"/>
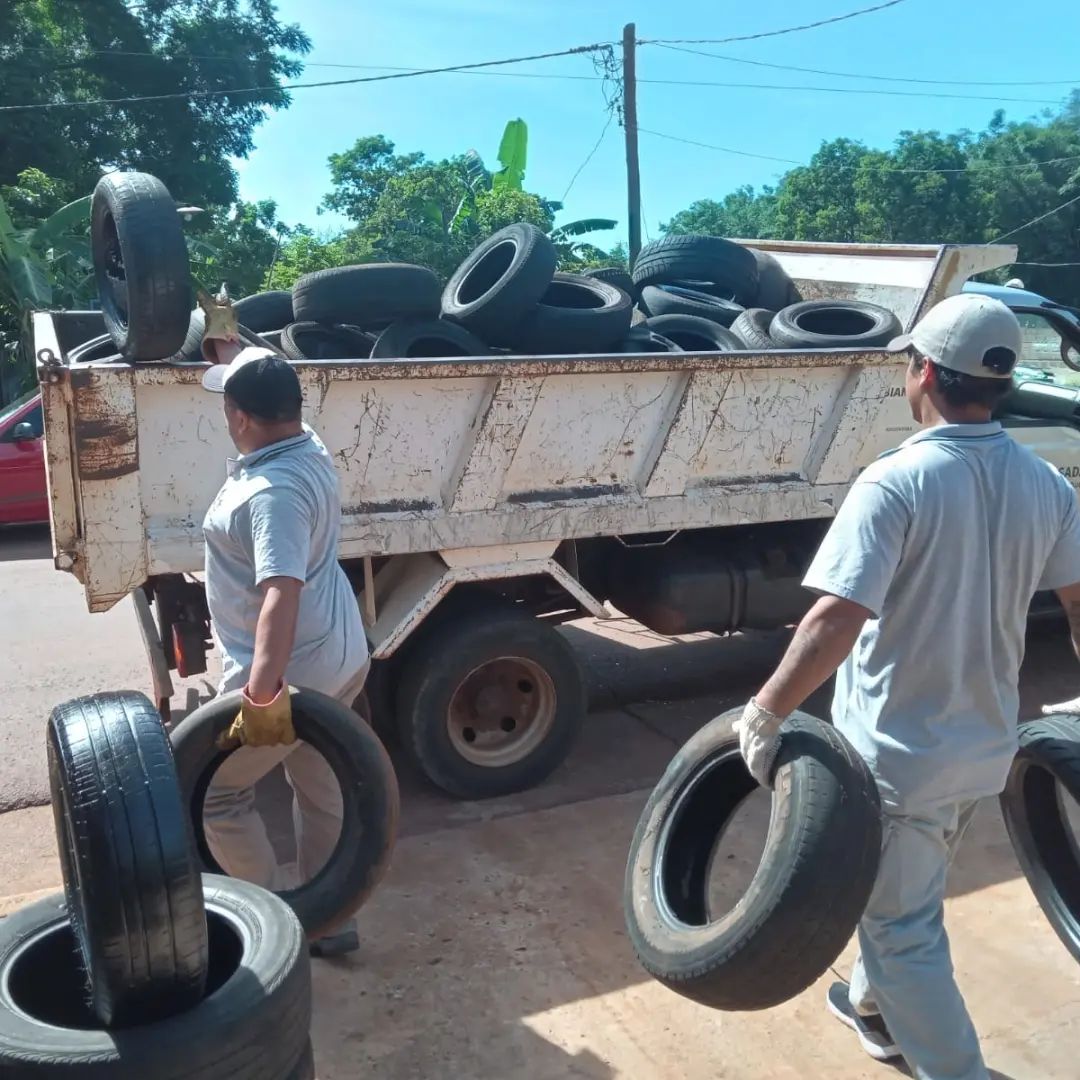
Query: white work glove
<point x="1069" y="707"/>
<point x="759" y="742"/>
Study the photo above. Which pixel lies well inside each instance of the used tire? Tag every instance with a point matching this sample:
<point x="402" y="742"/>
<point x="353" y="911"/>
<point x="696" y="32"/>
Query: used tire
<point x="433" y="338"/>
<point x="810" y="889"/>
<point x="1048" y="760"/>
<point x="576" y="315"/>
<point x="369" y="794"/>
<point x="833" y="324"/>
<point x="673" y="300"/>
<point x="643" y="340"/>
<point x="500" y="282"/>
<point x="305" y="1067"/>
<point x="489" y="702"/>
<point x="752" y="329"/>
<point x="98" y="348"/>
<point x="617" y="276"/>
<point x="265" y="311"/>
<point x="694" y="334"/>
<point x="320" y="341"/>
<point x="140" y="265"/>
<point x="775" y="289"/>
<point x="127" y="857"/>
<point x="251" y="1025"/>
<point x="678" y="259"/>
<point x="370" y="296"/>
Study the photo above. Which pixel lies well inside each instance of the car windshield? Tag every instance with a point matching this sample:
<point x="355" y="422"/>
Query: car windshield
<point x="11" y="409"/>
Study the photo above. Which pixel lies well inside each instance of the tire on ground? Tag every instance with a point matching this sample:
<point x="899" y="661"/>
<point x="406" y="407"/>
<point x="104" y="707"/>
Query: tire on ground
<point x="251" y="1025"/>
<point x="617" y="276"/>
<point x="127" y="857"/>
<point x="673" y="300"/>
<point x="1048" y="760"/>
<point x="681" y="259"/>
<point x="576" y="314"/>
<point x="500" y="282"/>
<point x="370" y="296"/>
<point x="694" y="334"/>
<point x="140" y="265"/>
<point x="834" y="324"/>
<point x="807" y="895"/>
<point x="322" y="341"/>
<point x="490" y="701"/>
<point x="752" y="329"/>
<point x="369" y="794"/>
<point x="775" y="289"/>
<point x="265" y="311"/>
<point x="428" y="339"/>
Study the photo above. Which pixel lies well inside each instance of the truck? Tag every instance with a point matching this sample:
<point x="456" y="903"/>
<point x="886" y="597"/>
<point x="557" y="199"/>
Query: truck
<point x="485" y="501"/>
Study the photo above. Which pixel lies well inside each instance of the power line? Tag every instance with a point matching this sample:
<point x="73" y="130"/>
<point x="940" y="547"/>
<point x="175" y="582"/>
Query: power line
<point x="770" y="33"/>
<point x="589" y="155"/>
<point x="1035" y="221"/>
<point x="877" y="78"/>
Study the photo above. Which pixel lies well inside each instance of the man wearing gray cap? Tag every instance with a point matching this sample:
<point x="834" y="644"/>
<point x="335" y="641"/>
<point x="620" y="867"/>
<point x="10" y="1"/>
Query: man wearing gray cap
<point x="924" y="582"/>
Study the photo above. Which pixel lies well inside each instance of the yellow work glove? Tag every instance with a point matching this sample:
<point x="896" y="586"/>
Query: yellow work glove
<point x="221" y="324"/>
<point x="261" y="725"/>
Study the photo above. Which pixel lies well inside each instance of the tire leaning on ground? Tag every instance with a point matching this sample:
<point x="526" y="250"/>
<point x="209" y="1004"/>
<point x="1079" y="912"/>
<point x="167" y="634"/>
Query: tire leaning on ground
<point x="140" y="265"/>
<point x="576" y="314"/>
<point x="834" y="324"/>
<point x="369" y="795"/>
<point x="807" y="895"/>
<point x="489" y="702"/>
<point x="252" y="1024"/>
<point x="1047" y="762"/>
<point x="694" y="334"/>
<point x="683" y="259"/>
<point x="752" y="329"/>
<point x="370" y="296"/>
<point x="127" y="857"/>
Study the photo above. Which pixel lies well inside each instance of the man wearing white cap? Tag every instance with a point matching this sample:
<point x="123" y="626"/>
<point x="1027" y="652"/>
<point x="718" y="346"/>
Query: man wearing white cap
<point x="283" y="612"/>
<point x="924" y="579"/>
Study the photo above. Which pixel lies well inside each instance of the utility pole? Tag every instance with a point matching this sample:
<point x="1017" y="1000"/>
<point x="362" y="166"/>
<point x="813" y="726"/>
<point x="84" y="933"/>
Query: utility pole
<point x="633" y="176"/>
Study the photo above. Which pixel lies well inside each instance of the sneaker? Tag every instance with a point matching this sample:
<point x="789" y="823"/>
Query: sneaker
<point x="345" y="941"/>
<point x="872" y="1032"/>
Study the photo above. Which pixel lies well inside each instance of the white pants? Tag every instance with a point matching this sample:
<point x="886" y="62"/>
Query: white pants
<point x="904" y="971"/>
<point x="235" y="830"/>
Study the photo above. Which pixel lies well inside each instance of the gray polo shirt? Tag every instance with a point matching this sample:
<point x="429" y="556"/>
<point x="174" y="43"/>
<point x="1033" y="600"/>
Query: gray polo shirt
<point x="279" y="515"/>
<point x="945" y="540"/>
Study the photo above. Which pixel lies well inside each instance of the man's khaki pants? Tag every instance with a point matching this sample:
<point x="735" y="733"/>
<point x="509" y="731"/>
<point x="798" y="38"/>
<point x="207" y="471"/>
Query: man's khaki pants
<point x="235" y="829"/>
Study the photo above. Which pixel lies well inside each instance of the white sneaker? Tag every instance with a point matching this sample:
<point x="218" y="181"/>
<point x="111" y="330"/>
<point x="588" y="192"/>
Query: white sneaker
<point x="873" y="1034"/>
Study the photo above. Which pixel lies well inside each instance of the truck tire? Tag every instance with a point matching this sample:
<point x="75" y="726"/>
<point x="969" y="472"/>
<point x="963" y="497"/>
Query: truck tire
<point x="265" y="311"/>
<point x="1047" y="761"/>
<point x="775" y="289"/>
<point x="810" y="889"/>
<point x="320" y="341"/>
<point x="679" y="259"/>
<point x="369" y="793"/>
<point x="752" y="329"/>
<point x="370" y="296"/>
<point x="576" y="314"/>
<point x="251" y="1025"/>
<point x="617" y="276"/>
<point x="647" y="342"/>
<point x="432" y="338"/>
<point x="489" y="702"/>
<point x="673" y="300"/>
<point x="834" y="324"/>
<point x="140" y="265"/>
<point x="694" y="334"/>
<point x="127" y="858"/>
<point x="500" y="282"/>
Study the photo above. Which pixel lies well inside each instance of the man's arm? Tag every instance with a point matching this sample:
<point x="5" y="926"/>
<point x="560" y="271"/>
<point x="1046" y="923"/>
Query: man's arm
<point x="275" y="632"/>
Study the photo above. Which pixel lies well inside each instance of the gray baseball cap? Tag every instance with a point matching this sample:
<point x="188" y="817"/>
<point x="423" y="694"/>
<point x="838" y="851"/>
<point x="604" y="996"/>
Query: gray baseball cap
<point x="970" y="333"/>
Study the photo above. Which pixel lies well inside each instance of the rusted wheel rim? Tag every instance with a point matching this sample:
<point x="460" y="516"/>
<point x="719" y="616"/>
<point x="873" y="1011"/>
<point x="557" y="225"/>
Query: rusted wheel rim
<point x="501" y="712"/>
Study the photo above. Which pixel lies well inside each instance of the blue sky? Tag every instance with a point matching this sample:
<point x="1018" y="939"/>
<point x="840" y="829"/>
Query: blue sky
<point x="447" y="114"/>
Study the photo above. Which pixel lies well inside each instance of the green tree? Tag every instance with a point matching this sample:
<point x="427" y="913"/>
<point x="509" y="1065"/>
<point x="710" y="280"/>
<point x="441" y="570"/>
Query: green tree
<point x="743" y="212"/>
<point x="237" y="246"/>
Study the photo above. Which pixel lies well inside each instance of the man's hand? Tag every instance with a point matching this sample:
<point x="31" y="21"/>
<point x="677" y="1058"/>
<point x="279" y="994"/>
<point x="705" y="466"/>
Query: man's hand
<point x="759" y="741"/>
<point x="261" y="724"/>
<point x="221" y="338"/>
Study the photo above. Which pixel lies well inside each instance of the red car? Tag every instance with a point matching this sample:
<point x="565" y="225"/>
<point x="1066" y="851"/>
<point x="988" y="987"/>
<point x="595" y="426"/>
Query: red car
<point x="23" y="492"/>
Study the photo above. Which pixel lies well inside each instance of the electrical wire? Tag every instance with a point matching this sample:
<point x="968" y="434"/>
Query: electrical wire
<point x="1035" y="221"/>
<point x="589" y="155"/>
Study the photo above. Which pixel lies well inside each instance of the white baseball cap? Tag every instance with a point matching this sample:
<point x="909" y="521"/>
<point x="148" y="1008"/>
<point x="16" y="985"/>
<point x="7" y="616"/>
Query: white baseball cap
<point x="217" y="376"/>
<point x="970" y="333"/>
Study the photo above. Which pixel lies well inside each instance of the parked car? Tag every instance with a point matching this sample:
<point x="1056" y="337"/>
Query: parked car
<point x="24" y="495"/>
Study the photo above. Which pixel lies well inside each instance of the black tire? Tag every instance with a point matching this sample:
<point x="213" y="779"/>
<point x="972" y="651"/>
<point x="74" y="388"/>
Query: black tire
<point x="833" y="324"/>
<point x="371" y="296"/>
<point x="676" y="259"/>
<point x="369" y="793"/>
<point x="251" y="1025"/>
<point x="810" y="889"/>
<point x="752" y="329"/>
<point x="265" y="311"/>
<point x="433" y="338"/>
<point x="693" y="334"/>
<point x="190" y="350"/>
<point x="500" y="282"/>
<point x="576" y="315"/>
<point x="1045" y="845"/>
<point x="775" y="289"/>
<point x="458" y="649"/>
<point x="642" y="340"/>
<point x="98" y="348"/>
<point x="617" y="276"/>
<point x="127" y="857"/>
<point x="673" y="300"/>
<point x="305" y="1067"/>
<point x="140" y="265"/>
<point x="319" y="341"/>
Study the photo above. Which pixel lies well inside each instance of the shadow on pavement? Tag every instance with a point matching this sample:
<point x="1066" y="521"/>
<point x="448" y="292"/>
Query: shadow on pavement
<point x="19" y="543"/>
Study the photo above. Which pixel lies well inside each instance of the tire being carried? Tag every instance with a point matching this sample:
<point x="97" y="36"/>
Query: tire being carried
<point x="809" y="891"/>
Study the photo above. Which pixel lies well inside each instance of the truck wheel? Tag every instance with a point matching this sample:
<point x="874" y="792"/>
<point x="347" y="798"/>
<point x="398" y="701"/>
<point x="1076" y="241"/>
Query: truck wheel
<point x="694" y="334"/>
<point x="684" y="259"/>
<point x="834" y="324"/>
<point x="127" y="858"/>
<point x="140" y="265"/>
<point x="752" y="329"/>
<point x="490" y="703"/>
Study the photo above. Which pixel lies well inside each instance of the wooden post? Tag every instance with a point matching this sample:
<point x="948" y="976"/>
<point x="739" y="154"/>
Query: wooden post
<point x="633" y="176"/>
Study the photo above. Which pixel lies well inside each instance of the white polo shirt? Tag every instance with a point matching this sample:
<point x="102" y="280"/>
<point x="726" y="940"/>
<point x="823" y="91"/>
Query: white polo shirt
<point x="279" y="515"/>
<point x="945" y="539"/>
